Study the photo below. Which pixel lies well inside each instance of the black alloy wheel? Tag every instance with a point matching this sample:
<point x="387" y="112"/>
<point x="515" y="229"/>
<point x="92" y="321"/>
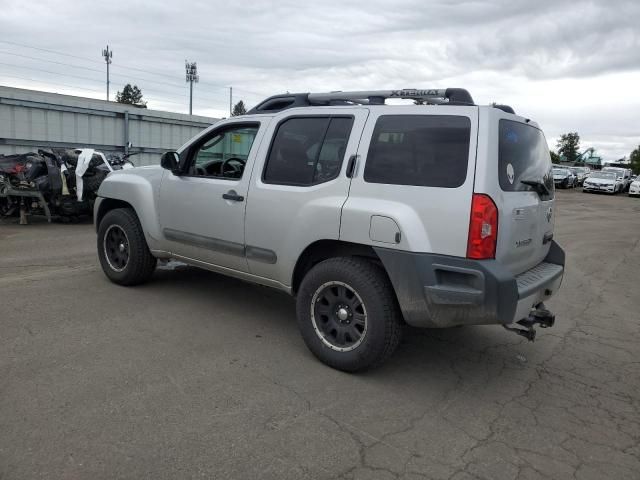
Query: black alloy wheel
<point x="116" y="248"/>
<point x="339" y="316"/>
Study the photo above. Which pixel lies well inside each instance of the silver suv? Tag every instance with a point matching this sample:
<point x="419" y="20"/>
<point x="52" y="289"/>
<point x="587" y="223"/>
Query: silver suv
<point x="434" y="214"/>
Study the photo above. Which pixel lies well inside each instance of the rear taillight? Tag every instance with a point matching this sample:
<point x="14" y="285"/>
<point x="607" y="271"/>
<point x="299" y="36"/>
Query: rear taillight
<point x="483" y="228"/>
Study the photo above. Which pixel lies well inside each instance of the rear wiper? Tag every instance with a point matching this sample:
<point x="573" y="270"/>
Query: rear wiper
<point x="539" y="187"/>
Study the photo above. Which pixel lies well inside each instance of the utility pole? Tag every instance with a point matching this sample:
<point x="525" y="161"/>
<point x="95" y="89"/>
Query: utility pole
<point x="191" y="76"/>
<point x="230" y="101"/>
<point x="108" y="55"/>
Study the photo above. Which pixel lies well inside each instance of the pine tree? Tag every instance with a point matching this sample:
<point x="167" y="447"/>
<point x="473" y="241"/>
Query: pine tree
<point x="131" y="95"/>
<point x="238" y="109"/>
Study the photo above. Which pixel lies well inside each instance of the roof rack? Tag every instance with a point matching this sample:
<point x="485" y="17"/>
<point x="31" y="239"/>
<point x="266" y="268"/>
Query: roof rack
<point x="448" y="96"/>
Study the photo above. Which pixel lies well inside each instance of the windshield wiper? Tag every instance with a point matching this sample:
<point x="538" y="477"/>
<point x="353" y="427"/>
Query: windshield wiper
<point x="539" y="187"/>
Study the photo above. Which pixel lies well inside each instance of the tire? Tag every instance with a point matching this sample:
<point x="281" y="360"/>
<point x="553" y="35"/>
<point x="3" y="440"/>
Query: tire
<point x="382" y="318"/>
<point x="121" y="226"/>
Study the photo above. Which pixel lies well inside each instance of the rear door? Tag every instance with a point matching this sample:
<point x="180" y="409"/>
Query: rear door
<point x="413" y="183"/>
<point x="515" y="151"/>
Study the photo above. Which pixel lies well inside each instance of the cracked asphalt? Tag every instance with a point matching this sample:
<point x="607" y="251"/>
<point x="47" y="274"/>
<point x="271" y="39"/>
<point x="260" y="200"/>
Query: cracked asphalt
<point x="195" y="375"/>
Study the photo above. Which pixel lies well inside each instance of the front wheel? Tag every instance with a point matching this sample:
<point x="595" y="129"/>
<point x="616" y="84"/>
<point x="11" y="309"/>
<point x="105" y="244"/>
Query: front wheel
<point x="122" y="249"/>
<point x="348" y="314"/>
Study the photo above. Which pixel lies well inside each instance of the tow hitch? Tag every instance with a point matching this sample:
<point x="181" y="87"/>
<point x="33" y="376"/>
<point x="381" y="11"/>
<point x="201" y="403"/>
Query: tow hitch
<point x="539" y="315"/>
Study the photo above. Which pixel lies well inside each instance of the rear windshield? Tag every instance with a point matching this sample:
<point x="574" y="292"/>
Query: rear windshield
<point x="523" y="154"/>
<point x="421" y="150"/>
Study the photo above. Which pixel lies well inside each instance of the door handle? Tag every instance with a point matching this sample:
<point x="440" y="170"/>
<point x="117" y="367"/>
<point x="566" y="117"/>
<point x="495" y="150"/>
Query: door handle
<point x="233" y="196"/>
<point x="351" y="166"/>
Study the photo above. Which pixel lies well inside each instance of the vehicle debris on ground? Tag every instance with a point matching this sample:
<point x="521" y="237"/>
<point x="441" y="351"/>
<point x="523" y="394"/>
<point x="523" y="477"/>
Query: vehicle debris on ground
<point x="58" y="183"/>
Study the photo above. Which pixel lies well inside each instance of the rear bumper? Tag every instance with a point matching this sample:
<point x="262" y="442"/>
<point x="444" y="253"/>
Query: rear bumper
<point x="439" y="291"/>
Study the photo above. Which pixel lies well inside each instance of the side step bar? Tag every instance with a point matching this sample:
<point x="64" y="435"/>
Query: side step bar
<point x="539" y="316"/>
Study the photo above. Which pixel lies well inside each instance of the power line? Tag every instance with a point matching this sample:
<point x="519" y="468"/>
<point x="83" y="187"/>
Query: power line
<point x="220" y="97"/>
<point x="92" y="69"/>
<point x="217" y="97"/>
<point x="221" y="87"/>
<point x="49" y="82"/>
<point x="76" y="87"/>
<point x="50" y="51"/>
<point x="49" y="71"/>
<point x="50" y="61"/>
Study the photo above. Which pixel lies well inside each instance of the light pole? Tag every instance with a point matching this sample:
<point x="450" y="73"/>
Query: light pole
<point x="108" y="55"/>
<point x="191" y="76"/>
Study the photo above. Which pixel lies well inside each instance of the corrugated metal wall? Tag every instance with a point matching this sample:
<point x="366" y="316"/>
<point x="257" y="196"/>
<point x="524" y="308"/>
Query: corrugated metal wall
<point x="31" y="119"/>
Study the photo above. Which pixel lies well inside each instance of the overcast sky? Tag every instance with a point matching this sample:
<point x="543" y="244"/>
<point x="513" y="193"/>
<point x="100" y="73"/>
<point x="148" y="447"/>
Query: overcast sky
<point x="569" y="65"/>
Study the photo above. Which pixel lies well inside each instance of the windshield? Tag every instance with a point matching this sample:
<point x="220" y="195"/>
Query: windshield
<point x="560" y="171"/>
<point x="523" y="154"/>
<point x="608" y="175"/>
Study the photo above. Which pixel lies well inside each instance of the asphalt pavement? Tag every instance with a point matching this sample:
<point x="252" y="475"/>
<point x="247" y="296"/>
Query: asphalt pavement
<point x="195" y="375"/>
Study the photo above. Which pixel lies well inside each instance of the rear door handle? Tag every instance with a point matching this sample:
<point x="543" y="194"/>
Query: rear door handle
<point x="233" y="196"/>
<point x="351" y="166"/>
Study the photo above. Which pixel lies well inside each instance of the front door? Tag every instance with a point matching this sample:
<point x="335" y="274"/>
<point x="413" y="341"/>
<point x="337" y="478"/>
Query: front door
<point x="202" y="210"/>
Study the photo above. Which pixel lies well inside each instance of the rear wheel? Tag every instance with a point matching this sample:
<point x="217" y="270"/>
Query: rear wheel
<point x="122" y="249"/>
<point x="348" y="314"/>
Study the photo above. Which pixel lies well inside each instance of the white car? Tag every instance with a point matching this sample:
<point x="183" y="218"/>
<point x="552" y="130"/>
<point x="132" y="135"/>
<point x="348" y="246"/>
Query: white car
<point x="634" y="189"/>
<point x="607" y="182"/>
<point x="624" y="175"/>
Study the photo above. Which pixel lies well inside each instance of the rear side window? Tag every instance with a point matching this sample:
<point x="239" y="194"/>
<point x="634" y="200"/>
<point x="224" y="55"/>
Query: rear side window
<point x="421" y="150"/>
<point x="308" y="150"/>
<point x="523" y="154"/>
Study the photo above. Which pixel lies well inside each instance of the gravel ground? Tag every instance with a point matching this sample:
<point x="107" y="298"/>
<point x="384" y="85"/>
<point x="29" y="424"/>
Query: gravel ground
<point x="198" y="375"/>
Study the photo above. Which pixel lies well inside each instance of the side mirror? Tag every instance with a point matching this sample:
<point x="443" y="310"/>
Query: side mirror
<point x="170" y="161"/>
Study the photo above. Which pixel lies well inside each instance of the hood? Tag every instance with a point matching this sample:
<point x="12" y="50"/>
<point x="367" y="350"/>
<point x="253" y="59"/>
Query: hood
<point x="149" y="175"/>
<point x="601" y="181"/>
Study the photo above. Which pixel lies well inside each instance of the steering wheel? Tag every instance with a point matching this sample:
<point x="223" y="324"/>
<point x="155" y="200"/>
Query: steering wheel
<point x="234" y="169"/>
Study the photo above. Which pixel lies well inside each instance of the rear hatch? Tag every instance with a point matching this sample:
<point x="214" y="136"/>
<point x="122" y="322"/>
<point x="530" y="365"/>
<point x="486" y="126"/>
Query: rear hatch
<point x="524" y="194"/>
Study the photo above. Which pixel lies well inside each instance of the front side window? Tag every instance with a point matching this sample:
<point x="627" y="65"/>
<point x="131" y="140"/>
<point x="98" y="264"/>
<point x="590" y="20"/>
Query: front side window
<point x="224" y="154"/>
<point x="421" y="150"/>
<point x="307" y="150"/>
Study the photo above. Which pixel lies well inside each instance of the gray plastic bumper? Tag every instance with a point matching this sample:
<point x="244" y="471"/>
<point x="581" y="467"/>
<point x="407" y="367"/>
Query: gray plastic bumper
<point x="441" y="291"/>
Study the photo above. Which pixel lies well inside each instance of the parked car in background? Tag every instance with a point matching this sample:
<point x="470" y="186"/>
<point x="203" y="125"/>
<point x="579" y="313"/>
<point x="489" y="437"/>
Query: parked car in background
<point x="624" y="175"/>
<point x="607" y="182"/>
<point x="580" y="174"/>
<point x="634" y="188"/>
<point x="564" y="178"/>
